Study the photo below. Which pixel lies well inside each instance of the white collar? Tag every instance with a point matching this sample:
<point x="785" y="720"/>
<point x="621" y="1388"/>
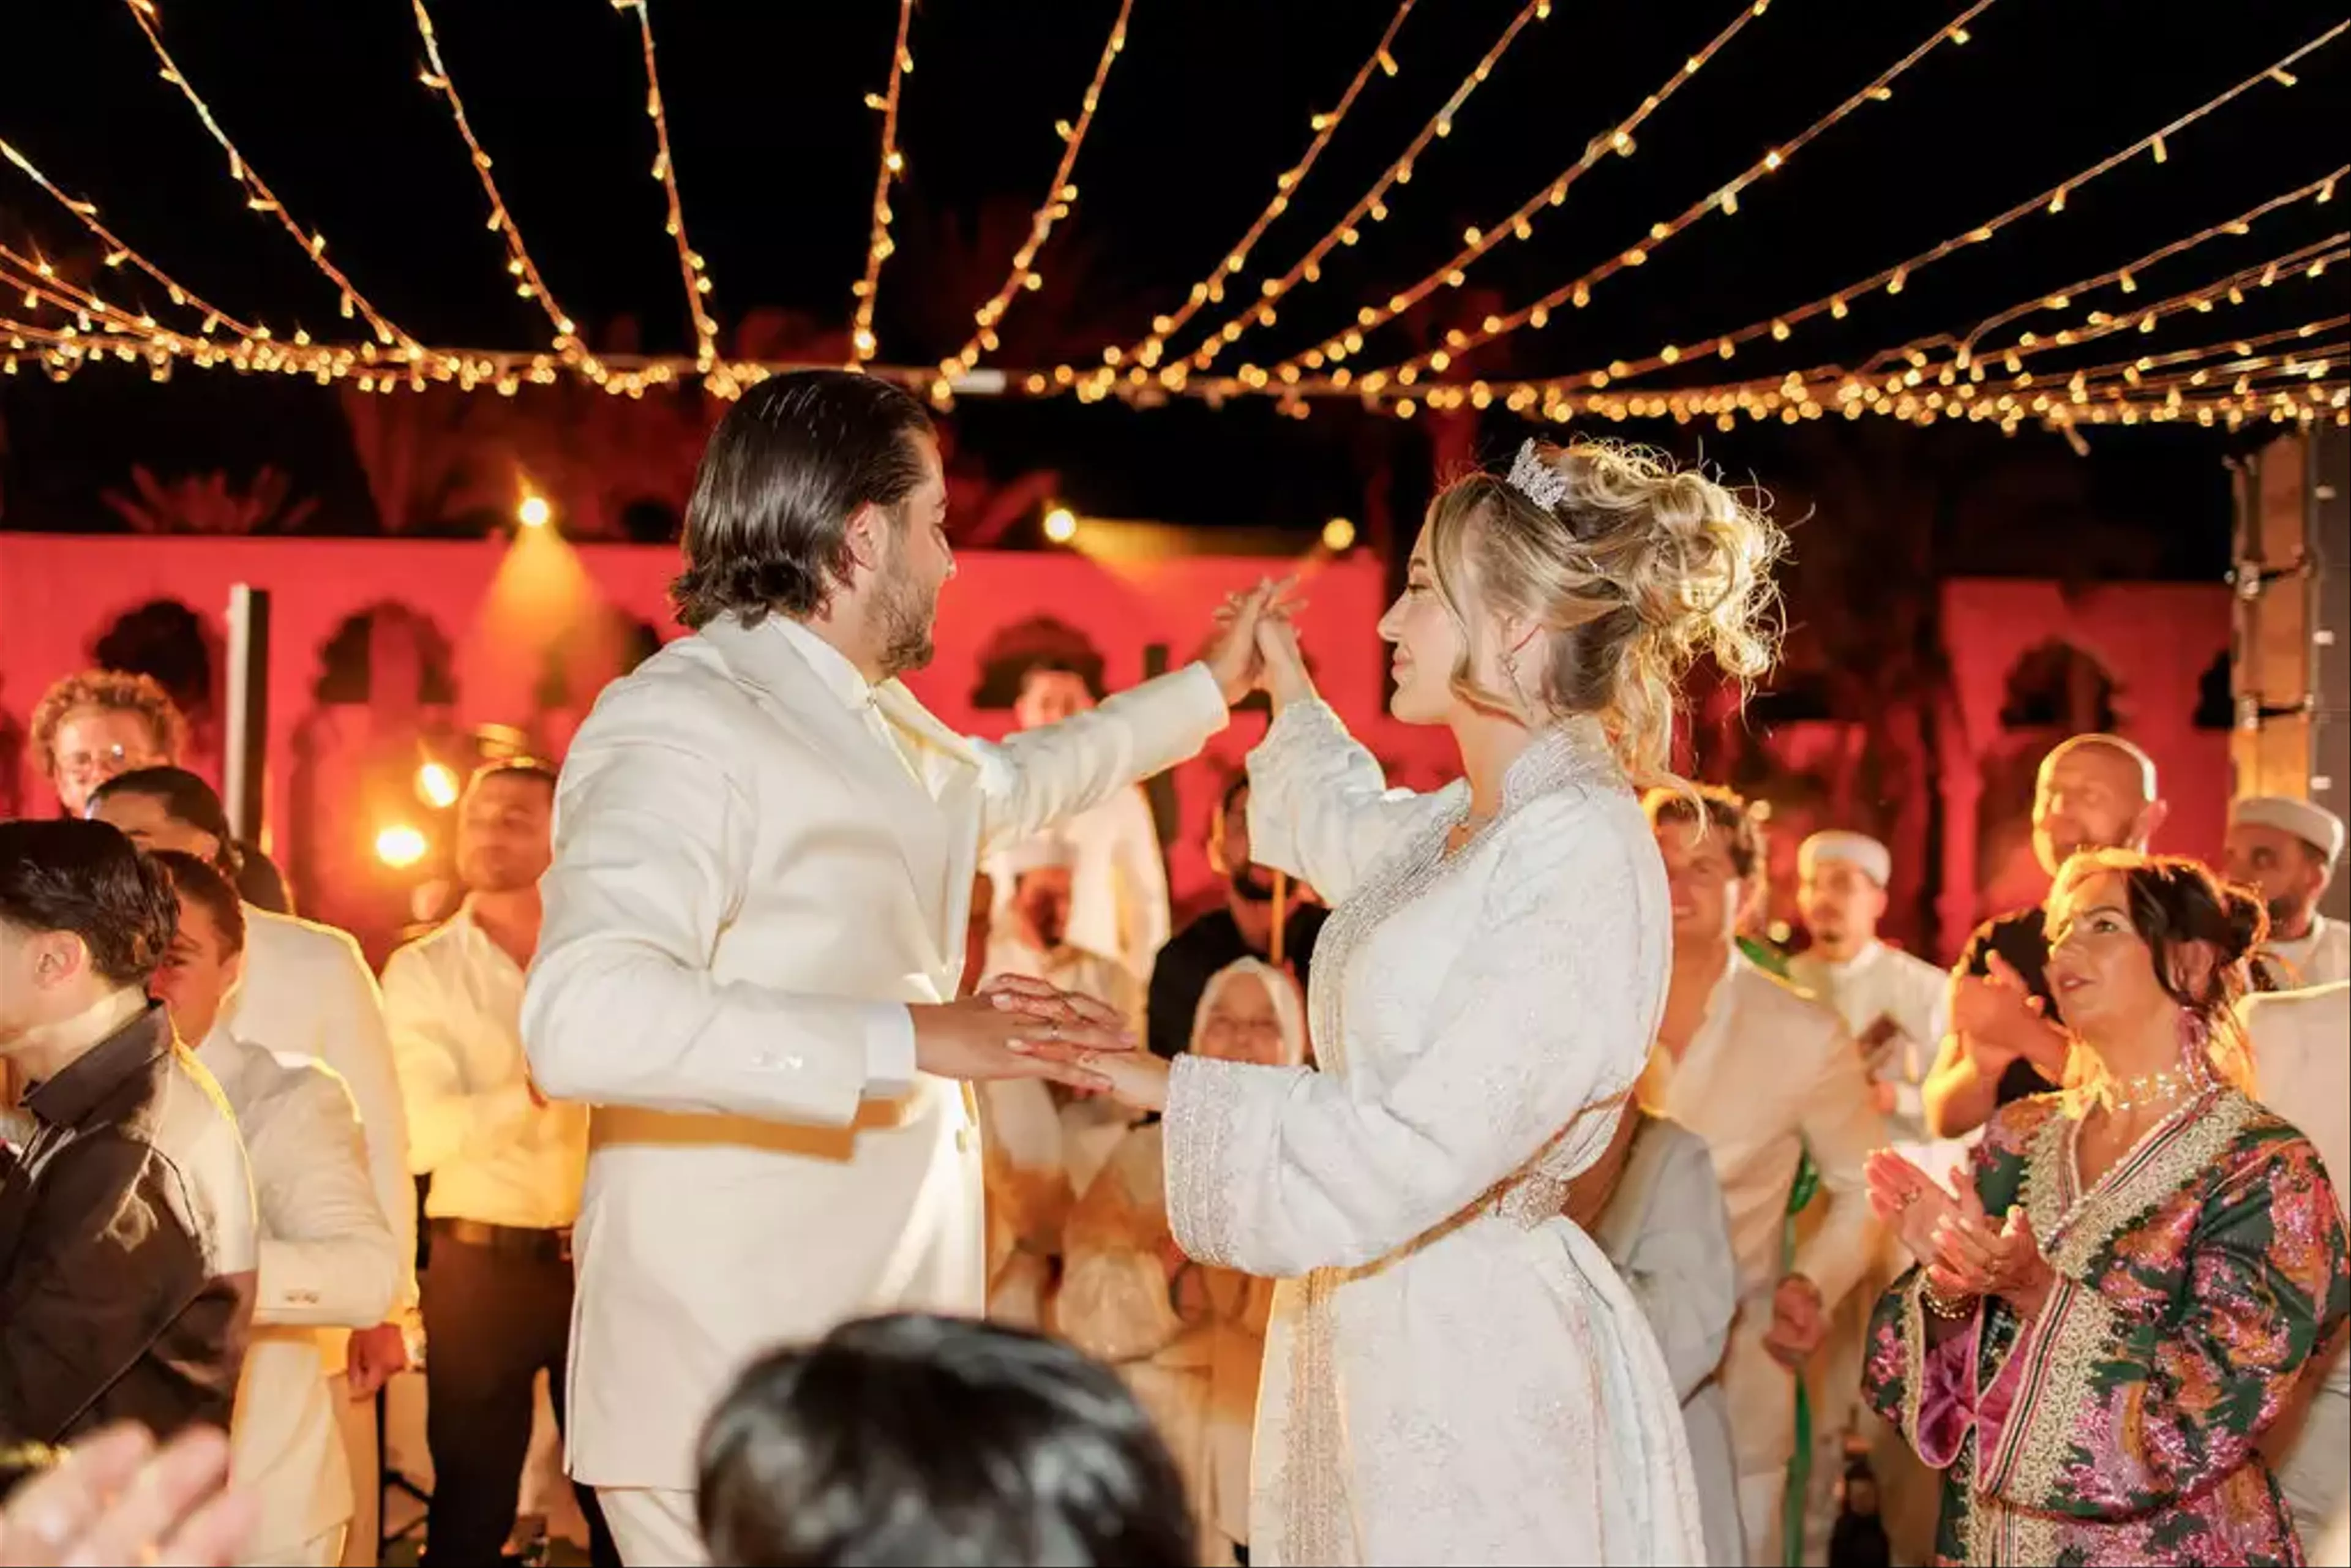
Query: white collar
<point x="832" y="666"/>
<point x="1857" y="963"/>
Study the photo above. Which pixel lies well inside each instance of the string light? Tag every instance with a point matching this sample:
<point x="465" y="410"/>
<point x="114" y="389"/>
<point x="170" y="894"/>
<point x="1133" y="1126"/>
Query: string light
<point x="1780" y="324"/>
<point x="1580" y="290"/>
<point x="87" y="212"/>
<point x="1211" y="288"/>
<point x="518" y="262"/>
<point x="2049" y="201"/>
<point x="862" y="342"/>
<point x="1059" y="196"/>
<point x="1371" y="204"/>
<point x="691" y="270"/>
<point x="1520" y="224"/>
<point x="261" y="198"/>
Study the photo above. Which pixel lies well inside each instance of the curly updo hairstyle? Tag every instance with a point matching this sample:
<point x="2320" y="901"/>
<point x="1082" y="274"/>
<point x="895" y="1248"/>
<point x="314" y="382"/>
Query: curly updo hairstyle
<point x="1639" y="570"/>
<point x="2177" y="905"/>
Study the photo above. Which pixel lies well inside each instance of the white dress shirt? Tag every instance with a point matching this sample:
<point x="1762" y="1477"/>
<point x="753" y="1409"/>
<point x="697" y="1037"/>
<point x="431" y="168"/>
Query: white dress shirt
<point x="1885" y="982"/>
<point x="1118" y="883"/>
<point x="1769" y="1074"/>
<point x="2321" y="957"/>
<point x="307" y="992"/>
<point x="890" y="1028"/>
<point x="453" y="999"/>
<point x="327" y="1260"/>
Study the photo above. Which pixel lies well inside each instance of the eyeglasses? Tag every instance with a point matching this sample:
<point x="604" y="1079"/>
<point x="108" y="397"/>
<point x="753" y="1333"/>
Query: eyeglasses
<point x="105" y="762"/>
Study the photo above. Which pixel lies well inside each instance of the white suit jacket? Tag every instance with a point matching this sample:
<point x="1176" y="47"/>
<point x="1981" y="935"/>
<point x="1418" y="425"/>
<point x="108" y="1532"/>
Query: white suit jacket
<point x="328" y="1262"/>
<point x="307" y="992"/>
<point x="748" y="889"/>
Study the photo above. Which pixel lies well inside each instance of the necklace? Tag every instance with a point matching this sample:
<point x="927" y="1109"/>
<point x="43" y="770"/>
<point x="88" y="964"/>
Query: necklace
<point x="2157" y="1088"/>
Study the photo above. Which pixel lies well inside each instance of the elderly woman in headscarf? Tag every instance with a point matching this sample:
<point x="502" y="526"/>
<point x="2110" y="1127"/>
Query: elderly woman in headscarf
<point x="1188" y="1337"/>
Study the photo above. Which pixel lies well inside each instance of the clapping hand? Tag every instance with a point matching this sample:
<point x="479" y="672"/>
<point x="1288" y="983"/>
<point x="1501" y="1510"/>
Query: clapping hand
<point x="118" y="1498"/>
<point x="1975" y="1258"/>
<point x="1907" y="1201"/>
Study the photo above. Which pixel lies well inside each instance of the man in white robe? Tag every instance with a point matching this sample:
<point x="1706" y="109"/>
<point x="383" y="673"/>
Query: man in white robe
<point x="1118" y="904"/>
<point x="1764" y="1075"/>
<point x="2288" y="849"/>
<point x="2302" y="1065"/>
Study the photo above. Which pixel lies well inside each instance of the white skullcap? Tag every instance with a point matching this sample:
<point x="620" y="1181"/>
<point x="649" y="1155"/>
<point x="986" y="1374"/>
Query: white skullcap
<point x="1860" y="850"/>
<point x="2314" y="825"/>
<point x="1039" y="854"/>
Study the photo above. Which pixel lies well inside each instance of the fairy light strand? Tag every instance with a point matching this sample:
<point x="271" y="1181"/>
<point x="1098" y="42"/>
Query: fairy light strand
<point x="692" y="272"/>
<point x="2050" y="202"/>
<point x="878" y="245"/>
<point x="1210" y="289"/>
<point x="121" y="253"/>
<point x="1520" y="224"/>
<point x="1780" y="326"/>
<point x="1723" y="199"/>
<point x="1371" y="204"/>
<point x="520" y="265"/>
<point x="1060" y="197"/>
<point x="260" y="198"/>
<point x="34" y="281"/>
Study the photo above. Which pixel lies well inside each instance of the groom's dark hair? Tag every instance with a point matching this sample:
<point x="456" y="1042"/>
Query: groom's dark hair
<point x="787" y="468"/>
<point x="926" y="1440"/>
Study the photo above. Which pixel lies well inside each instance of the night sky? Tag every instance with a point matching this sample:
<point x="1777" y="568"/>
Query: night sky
<point x="776" y="156"/>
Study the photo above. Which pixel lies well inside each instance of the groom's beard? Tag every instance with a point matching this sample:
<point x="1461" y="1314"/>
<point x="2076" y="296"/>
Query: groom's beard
<point x="904" y="615"/>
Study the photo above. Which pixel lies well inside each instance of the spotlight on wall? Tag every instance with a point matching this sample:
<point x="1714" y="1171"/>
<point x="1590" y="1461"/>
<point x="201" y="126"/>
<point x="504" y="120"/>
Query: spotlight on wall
<point x="533" y="512"/>
<point x="436" y="785"/>
<point x="1338" y="536"/>
<point x="399" y="846"/>
<point x="1061" y="525"/>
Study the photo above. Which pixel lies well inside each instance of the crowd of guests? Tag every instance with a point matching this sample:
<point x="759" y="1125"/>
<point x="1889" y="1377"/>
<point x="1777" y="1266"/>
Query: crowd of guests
<point x="1817" y="1199"/>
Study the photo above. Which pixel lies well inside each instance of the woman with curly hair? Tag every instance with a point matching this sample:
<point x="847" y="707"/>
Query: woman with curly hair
<point x="2119" y="1297"/>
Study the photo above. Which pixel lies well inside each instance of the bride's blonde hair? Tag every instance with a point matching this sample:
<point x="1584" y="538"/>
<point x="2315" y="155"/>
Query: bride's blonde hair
<point x="1637" y="569"/>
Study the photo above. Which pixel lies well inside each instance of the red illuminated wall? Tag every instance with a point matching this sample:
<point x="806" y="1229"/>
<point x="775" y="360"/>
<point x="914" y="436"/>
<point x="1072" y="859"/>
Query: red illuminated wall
<point x="59" y="593"/>
<point x="2156" y="641"/>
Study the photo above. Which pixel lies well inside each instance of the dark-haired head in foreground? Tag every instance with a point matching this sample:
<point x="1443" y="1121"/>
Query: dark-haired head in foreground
<point x="84" y="917"/>
<point x="912" y="1439"/>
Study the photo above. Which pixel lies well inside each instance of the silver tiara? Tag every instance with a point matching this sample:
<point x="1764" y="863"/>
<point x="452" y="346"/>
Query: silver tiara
<point x="1535" y="479"/>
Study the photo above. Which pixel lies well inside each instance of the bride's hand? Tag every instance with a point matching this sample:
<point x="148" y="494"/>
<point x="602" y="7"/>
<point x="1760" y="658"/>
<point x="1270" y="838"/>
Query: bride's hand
<point x="1136" y="1079"/>
<point x="1284" y="674"/>
<point x="1908" y="1202"/>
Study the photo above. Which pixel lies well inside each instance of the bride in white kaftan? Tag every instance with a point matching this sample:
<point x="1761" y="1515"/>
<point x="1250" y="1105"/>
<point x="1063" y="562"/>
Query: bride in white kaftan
<point x="1454" y="1372"/>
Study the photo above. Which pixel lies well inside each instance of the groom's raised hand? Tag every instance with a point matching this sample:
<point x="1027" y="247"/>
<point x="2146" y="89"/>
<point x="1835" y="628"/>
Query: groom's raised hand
<point x="1231" y="654"/>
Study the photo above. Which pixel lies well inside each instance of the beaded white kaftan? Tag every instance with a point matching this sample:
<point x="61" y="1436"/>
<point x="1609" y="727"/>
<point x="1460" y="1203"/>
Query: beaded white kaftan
<point x="1454" y="1374"/>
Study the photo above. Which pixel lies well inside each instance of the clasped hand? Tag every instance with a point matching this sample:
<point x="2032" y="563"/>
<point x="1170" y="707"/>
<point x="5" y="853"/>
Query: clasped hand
<point x="1014" y="1027"/>
<point x="1964" y="1252"/>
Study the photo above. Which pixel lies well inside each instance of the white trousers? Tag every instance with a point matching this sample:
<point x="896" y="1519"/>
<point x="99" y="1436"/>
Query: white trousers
<point x="653" y="1528"/>
<point x="356" y="1421"/>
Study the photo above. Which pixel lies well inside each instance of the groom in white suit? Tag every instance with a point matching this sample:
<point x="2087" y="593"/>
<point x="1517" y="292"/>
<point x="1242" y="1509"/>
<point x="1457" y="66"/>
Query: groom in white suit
<point x="764" y="860"/>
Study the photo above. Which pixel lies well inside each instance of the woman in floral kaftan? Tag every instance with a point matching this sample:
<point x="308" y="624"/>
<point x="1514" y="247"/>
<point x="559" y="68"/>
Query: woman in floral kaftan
<point x="2134" y="1271"/>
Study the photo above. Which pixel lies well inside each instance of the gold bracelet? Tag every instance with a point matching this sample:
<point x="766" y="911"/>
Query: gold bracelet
<point x="1951" y="1311"/>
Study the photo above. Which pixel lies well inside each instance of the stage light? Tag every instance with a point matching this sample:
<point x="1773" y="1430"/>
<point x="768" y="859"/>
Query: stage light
<point x="399" y="846"/>
<point x="1061" y="525"/>
<point x="533" y="512"/>
<point x="436" y="785"/>
<point x="1338" y="536"/>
